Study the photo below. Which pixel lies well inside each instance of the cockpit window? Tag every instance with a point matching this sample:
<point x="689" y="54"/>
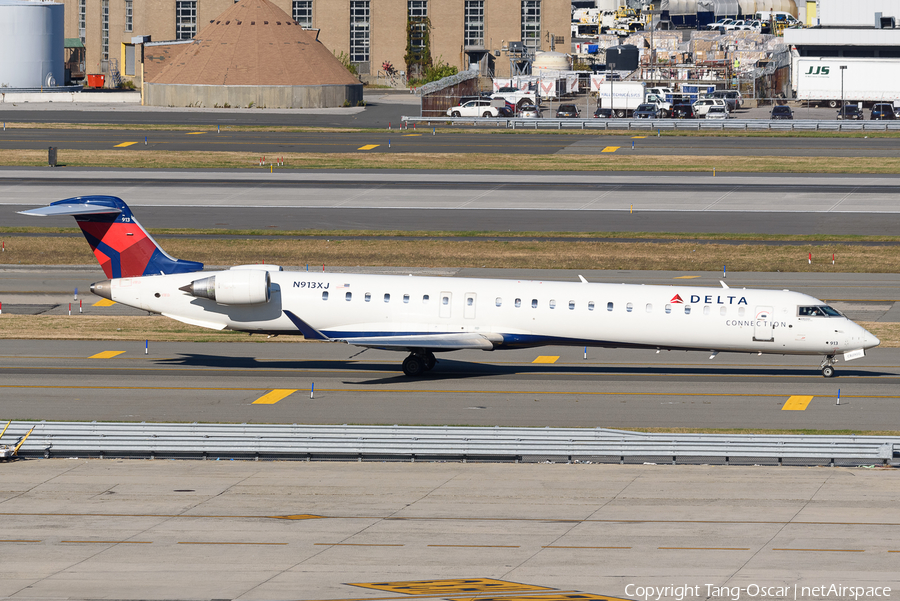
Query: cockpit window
<point x="818" y="311"/>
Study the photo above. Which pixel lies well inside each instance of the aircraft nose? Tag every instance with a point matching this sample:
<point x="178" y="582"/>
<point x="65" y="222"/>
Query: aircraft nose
<point x="869" y="339"/>
<point x="103" y="289"/>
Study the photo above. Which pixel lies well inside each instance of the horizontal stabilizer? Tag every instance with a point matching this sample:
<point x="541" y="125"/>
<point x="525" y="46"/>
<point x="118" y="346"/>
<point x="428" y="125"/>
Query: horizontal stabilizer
<point x="444" y="342"/>
<point x="71" y="209"/>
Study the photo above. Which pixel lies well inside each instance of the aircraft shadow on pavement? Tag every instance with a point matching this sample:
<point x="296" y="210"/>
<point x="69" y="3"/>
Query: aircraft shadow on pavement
<point x="450" y="369"/>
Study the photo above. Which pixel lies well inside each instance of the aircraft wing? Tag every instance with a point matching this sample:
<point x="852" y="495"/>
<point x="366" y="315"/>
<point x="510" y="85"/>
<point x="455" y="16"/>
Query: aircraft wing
<point x="72" y="209"/>
<point x="444" y="342"/>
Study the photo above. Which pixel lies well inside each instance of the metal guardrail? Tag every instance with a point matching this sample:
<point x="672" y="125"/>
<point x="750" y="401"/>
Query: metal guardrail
<point x="661" y="124"/>
<point x="92" y="439"/>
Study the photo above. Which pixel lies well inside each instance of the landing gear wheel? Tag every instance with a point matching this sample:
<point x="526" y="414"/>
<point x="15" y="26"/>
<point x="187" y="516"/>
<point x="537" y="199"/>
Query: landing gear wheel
<point x="828" y="371"/>
<point x="413" y="366"/>
<point x="429" y="361"/>
<point x="828" y="366"/>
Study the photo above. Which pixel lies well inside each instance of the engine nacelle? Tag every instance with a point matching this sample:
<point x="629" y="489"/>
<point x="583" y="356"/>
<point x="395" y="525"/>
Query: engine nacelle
<point x="240" y="287"/>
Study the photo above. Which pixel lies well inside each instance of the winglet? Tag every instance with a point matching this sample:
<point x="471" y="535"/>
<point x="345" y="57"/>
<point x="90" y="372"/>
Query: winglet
<point x="724" y="285"/>
<point x="581" y="277"/>
<point x="309" y="332"/>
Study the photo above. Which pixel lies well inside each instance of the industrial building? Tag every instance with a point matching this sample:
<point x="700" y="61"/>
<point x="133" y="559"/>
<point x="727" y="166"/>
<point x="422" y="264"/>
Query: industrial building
<point x="366" y="33"/>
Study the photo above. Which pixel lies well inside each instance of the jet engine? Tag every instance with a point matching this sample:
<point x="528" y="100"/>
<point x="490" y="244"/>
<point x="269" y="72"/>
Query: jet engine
<point x="242" y="287"/>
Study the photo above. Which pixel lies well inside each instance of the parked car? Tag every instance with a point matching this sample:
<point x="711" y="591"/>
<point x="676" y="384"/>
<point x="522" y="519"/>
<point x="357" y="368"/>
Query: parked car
<point x="603" y="114"/>
<point x="474" y="108"/>
<point x="683" y="110"/>
<point x="720" y="23"/>
<point x="717" y="112"/>
<point x="646" y="111"/>
<point x="731" y="97"/>
<point x="529" y="111"/>
<point x="781" y="111"/>
<point x="883" y="111"/>
<point x="567" y="111"/>
<point x="850" y="111"/>
<point x="703" y="105"/>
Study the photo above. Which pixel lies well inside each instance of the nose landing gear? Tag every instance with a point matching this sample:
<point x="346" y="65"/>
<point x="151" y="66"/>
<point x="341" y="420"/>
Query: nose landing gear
<point x="828" y="366"/>
<point x="418" y="362"/>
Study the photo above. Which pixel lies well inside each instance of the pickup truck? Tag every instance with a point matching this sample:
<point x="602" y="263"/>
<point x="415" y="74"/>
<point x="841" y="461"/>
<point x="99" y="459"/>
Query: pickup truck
<point x="515" y="96"/>
<point x="663" y="108"/>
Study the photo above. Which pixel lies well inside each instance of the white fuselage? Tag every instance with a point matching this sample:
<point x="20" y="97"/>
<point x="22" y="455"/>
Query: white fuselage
<point x="511" y="313"/>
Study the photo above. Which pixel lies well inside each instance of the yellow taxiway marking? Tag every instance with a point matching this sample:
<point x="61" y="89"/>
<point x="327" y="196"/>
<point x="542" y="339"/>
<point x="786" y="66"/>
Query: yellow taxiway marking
<point x="124" y="144"/>
<point x="410" y="135"/>
<point x="225" y="543"/>
<point x="638" y="137"/>
<point x="195" y="133"/>
<point x="108" y="542"/>
<point x="480" y="546"/>
<point x="707" y="548"/>
<point x="571" y="547"/>
<point x="368" y="146"/>
<point x="450" y="586"/>
<point x="546" y="359"/>
<point x="274" y="396"/>
<point x="686" y="277"/>
<point x="16" y="540"/>
<point x="797" y="403"/>
<point x="357" y="545"/>
<point x="610" y="149"/>
<point x="304" y="516"/>
<point x="555" y="596"/>
<point x="104" y="302"/>
<point x="106" y="355"/>
<point x="834" y="550"/>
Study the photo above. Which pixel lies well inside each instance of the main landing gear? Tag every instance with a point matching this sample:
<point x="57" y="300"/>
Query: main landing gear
<point x="828" y="366"/>
<point x="418" y="363"/>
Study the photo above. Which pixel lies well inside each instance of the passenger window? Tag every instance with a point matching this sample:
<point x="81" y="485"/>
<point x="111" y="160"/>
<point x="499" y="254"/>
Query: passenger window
<point x="498" y="301"/>
<point x="552" y="304"/>
<point x="629" y="307"/>
<point x="518" y="302"/>
<point x="571" y="305"/>
<point x="668" y="308"/>
<point x="706" y="309"/>
<point x="534" y="303"/>
<point x="348" y="296"/>
<point x="424" y="299"/>
<point x="325" y="295"/>
<point x="741" y="311"/>
<point x="445" y="300"/>
<point x="405" y="298"/>
<point x="368" y="296"/>
<point x="387" y="297"/>
<point x="609" y="306"/>
<point x="723" y="311"/>
<point x="470" y="301"/>
<point x="687" y="309"/>
<point x="649" y="308"/>
<point x="590" y="305"/>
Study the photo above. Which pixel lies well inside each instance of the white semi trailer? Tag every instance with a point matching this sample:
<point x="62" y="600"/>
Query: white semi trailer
<point x="866" y="80"/>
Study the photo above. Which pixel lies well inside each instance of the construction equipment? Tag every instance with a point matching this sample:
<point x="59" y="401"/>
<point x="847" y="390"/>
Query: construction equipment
<point x="8" y="452"/>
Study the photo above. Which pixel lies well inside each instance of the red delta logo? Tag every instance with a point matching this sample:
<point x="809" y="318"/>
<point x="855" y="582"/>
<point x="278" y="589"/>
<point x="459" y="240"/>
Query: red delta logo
<point x="676" y="299"/>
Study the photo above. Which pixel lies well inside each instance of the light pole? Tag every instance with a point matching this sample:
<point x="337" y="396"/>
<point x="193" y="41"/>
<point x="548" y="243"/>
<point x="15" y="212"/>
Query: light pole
<point x="610" y="67"/>
<point x="843" y="113"/>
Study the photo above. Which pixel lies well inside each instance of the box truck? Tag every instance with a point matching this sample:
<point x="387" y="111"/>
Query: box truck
<point x="620" y="96"/>
<point x="866" y="80"/>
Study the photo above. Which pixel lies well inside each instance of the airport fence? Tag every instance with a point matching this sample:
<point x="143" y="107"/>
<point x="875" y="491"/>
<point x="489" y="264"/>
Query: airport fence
<point x="410" y="443"/>
<point x="651" y="125"/>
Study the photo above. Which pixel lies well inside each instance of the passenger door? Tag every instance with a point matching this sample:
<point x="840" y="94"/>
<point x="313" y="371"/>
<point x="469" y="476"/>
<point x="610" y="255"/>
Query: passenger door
<point x="763" y="327"/>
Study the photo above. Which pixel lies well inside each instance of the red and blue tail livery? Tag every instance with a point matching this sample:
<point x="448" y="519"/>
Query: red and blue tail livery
<point x="122" y="246"/>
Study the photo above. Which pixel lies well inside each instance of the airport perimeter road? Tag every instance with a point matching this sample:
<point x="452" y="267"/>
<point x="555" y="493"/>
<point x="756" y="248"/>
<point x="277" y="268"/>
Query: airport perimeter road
<point x="639" y="143"/>
<point x="555" y="386"/>
<point x="130" y="529"/>
<point x="467" y="200"/>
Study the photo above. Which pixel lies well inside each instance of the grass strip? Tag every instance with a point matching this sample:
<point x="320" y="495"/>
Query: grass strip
<point x="490" y="128"/>
<point x="527" y="254"/>
<point x="432" y="234"/>
<point x="164" y="159"/>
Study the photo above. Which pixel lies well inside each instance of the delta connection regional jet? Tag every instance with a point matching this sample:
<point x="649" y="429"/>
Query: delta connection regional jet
<point x="426" y="315"/>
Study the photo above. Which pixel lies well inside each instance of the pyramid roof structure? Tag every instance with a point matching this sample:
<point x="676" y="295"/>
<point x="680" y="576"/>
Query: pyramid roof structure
<point x="255" y="43"/>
